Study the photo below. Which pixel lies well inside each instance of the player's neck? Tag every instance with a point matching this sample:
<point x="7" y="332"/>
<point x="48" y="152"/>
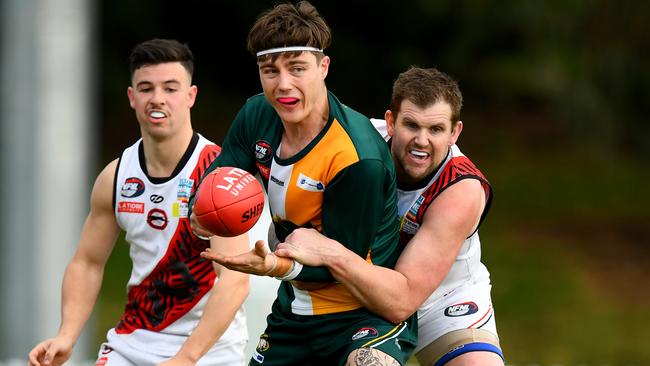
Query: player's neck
<point x="297" y="136"/>
<point x="162" y="156"/>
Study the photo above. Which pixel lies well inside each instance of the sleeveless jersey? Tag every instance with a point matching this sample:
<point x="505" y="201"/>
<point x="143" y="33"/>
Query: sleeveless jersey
<point x="342" y="184"/>
<point x="169" y="280"/>
<point x="412" y="205"/>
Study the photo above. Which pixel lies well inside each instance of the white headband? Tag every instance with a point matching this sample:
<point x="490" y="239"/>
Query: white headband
<point x="288" y="49"/>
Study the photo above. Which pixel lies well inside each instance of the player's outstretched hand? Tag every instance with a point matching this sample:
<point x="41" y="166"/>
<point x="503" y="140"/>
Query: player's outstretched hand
<point x="310" y="247"/>
<point x="258" y="261"/>
<point x="50" y="352"/>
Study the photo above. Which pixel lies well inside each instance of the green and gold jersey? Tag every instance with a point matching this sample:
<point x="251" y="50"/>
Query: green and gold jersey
<point x="342" y="184"/>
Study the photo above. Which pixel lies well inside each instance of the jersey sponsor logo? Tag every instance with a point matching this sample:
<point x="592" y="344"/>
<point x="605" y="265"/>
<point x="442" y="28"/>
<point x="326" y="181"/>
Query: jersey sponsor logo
<point x="106" y="350"/>
<point x="277" y="181"/>
<point x="461" y="309"/>
<point x="257" y="357"/>
<point x="130" y="207"/>
<point x="263" y="151"/>
<point x="364" y="333"/>
<point x="264" y="170"/>
<point x="409" y="226"/>
<point x="309" y="184"/>
<point x="413" y="211"/>
<point x="132" y="187"/>
<point x="180" y="209"/>
<point x="156" y="198"/>
<point x="185" y="189"/>
<point x="157" y="219"/>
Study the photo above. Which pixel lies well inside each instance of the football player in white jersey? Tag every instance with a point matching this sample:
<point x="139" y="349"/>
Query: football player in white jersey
<point x="443" y="198"/>
<point x="181" y="310"/>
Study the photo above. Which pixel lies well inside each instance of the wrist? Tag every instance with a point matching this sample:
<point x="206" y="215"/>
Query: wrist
<point x="281" y="266"/>
<point x="187" y="356"/>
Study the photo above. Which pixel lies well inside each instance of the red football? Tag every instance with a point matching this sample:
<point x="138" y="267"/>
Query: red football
<point x="229" y="201"/>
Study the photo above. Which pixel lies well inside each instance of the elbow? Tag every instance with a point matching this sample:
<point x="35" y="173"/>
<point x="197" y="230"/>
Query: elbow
<point x="398" y="314"/>
<point x="244" y="288"/>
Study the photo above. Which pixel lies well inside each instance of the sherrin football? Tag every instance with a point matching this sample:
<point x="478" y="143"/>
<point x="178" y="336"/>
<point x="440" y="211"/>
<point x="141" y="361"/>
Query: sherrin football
<point x="229" y="201"/>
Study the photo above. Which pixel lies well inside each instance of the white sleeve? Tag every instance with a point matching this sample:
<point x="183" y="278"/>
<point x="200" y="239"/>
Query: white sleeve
<point x="380" y="126"/>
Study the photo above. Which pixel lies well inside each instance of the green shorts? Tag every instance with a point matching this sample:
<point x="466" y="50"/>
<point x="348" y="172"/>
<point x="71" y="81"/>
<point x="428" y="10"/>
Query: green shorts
<point x="291" y="339"/>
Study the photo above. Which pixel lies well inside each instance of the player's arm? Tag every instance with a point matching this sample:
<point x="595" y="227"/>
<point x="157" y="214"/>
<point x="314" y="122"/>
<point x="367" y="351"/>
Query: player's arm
<point x="351" y="213"/>
<point x="349" y="203"/>
<point x="225" y="298"/>
<point x="83" y="275"/>
<point x="422" y="266"/>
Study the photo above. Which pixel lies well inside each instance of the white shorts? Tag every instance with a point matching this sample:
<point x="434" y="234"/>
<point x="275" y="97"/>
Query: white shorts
<point x="458" y="322"/>
<point x="119" y="352"/>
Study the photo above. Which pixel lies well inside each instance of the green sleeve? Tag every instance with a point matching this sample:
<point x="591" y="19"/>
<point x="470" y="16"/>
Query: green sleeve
<point x="234" y="151"/>
<point x="359" y="212"/>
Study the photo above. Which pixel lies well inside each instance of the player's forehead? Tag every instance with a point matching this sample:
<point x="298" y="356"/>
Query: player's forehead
<point x="287" y="59"/>
<point x="166" y="72"/>
<point x="436" y="113"/>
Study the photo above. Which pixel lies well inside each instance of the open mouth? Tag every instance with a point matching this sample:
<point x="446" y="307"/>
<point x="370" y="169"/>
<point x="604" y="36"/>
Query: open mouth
<point x="419" y="155"/>
<point x="156" y="114"/>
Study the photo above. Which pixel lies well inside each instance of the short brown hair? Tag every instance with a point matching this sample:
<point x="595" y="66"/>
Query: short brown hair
<point x="157" y="51"/>
<point x="289" y="25"/>
<point x="425" y="87"/>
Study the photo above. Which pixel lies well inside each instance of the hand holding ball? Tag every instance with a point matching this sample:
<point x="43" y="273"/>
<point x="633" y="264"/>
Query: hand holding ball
<point x="229" y="202"/>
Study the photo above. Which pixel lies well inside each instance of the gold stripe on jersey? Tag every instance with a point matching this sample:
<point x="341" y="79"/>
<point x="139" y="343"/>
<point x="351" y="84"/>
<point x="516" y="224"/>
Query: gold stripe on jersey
<point x="303" y="204"/>
<point x="304" y="198"/>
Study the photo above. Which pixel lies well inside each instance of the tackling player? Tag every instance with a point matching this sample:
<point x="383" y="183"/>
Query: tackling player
<point x="442" y="200"/>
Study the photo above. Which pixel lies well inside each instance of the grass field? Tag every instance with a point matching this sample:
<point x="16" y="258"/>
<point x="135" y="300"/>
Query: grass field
<point x="569" y="260"/>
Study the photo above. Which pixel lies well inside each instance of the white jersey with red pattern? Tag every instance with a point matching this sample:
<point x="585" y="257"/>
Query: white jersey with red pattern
<point x="169" y="281"/>
<point x="462" y="301"/>
<point x="412" y="205"/>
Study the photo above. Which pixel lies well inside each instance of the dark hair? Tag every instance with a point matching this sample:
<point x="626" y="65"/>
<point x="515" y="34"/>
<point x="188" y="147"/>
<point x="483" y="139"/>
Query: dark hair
<point x="158" y="51"/>
<point x="289" y="25"/>
<point x="425" y="87"/>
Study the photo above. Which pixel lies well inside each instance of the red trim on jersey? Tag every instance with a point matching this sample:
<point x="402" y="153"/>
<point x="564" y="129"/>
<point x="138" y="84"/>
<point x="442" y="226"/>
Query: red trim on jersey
<point x="457" y="169"/>
<point x="179" y="280"/>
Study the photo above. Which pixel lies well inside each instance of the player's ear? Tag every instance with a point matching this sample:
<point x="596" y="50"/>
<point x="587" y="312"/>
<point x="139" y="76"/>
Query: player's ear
<point x="129" y="93"/>
<point x="390" y="117"/>
<point x="455" y="132"/>
<point x="324" y="66"/>
<point x="191" y="94"/>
